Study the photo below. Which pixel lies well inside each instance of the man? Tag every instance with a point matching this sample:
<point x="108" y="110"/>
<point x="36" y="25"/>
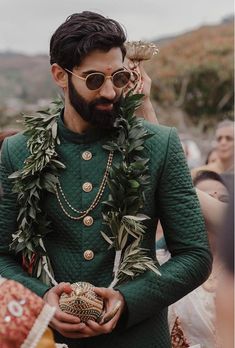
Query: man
<point x="224" y="163"/>
<point x="87" y="53"/>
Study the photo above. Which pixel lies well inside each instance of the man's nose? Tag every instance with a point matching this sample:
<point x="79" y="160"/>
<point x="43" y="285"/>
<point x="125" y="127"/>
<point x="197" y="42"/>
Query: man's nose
<point x="108" y="90"/>
<point x="223" y="140"/>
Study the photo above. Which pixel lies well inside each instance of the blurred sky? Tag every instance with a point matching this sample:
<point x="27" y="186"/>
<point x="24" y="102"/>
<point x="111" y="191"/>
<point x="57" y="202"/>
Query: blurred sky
<point x="27" y="25"/>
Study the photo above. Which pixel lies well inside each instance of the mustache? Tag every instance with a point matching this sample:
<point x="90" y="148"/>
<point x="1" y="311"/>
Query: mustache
<point x="104" y="101"/>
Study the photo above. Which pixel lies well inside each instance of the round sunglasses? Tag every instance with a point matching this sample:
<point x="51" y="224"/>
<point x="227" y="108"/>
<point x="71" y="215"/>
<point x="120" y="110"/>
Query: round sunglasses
<point x="95" y="80"/>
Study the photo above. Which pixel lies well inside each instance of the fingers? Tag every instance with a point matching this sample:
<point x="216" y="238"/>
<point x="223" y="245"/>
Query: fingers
<point x="52" y="296"/>
<point x="62" y="287"/>
<point x="71" y="326"/>
<point x="66" y="326"/>
<point x="99" y="329"/>
<point x="111" y="313"/>
<point x="103" y="292"/>
<point x="64" y="317"/>
<point x="114" y="304"/>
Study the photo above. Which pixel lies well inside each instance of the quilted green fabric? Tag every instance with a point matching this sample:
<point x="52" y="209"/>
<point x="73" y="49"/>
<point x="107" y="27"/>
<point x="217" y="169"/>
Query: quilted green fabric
<point x="171" y="198"/>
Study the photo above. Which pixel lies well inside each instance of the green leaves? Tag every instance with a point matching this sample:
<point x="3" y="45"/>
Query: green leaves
<point x="127" y="183"/>
<point x="38" y="174"/>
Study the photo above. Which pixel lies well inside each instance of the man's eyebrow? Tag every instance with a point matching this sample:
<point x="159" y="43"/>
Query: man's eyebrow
<point x="87" y="72"/>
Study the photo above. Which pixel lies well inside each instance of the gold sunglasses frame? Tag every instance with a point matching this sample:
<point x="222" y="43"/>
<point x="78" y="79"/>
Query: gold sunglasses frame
<point x="100" y="73"/>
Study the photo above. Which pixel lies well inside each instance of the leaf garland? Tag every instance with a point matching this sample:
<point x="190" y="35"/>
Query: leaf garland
<point x="39" y="174"/>
<point x="127" y="183"/>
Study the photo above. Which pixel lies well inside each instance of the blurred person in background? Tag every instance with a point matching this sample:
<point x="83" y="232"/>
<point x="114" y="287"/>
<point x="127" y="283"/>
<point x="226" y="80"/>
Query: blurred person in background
<point x="5" y="134"/>
<point x="225" y="289"/>
<point x="225" y="150"/>
<point x="212" y="156"/>
<point x="191" y="150"/>
<point x="192" y="319"/>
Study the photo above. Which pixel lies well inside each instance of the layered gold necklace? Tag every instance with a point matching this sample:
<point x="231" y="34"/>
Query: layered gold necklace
<point x="62" y="199"/>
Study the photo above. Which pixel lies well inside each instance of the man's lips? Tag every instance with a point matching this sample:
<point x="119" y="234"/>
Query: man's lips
<point x="106" y="107"/>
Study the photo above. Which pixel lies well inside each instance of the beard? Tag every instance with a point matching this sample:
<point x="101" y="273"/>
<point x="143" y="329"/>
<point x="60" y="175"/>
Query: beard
<point x="88" y="110"/>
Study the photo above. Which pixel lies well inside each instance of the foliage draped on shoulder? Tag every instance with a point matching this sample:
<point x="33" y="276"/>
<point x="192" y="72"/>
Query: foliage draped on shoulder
<point x="127" y="183"/>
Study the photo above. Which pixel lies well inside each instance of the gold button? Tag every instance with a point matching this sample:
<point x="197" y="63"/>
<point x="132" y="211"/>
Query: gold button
<point x="88" y="255"/>
<point x="87" y="187"/>
<point x="87" y="155"/>
<point x="88" y="220"/>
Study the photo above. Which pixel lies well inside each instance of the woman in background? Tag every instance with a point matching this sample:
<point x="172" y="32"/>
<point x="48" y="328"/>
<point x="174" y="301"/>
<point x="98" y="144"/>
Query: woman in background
<point x="193" y="318"/>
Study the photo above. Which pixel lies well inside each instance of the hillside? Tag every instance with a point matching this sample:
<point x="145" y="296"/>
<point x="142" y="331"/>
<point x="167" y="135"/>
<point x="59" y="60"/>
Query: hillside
<point x="194" y="71"/>
<point x="25" y="77"/>
<point x="192" y="76"/>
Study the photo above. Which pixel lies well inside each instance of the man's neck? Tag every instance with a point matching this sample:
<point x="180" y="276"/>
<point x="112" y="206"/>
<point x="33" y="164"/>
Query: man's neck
<point x="227" y="164"/>
<point x="74" y="121"/>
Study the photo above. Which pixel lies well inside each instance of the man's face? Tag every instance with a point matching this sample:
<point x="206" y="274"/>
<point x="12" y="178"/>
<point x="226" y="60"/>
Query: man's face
<point x="225" y="143"/>
<point x="214" y="188"/>
<point x="98" y="107"/>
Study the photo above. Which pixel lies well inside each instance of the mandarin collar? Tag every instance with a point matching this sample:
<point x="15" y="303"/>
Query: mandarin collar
<point x="90" y="136"/>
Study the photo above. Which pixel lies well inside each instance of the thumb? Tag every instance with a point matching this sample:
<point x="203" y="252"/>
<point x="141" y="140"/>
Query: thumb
<point x="63" y="287"/>
<point x="102" y="292"/>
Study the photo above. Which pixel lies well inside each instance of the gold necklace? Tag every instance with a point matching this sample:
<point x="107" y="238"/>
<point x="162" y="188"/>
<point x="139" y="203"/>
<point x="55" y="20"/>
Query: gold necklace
<point x="82" y="213"/>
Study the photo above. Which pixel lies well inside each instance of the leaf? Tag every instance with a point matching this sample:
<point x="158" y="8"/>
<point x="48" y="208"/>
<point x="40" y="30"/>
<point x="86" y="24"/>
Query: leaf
<point x="39" y="269"/>
<point x="15" y="175"/>
<point x="124" y="241"/>
<point x="134" y="183"/>
<point x="120" y="235"/>
<point x="106" y="238"/>
<point x="153" y="268"/>
<point x="139" y="217"/>
<point x="129" y="273"/>
<point x="41" y="244"/>
<point x="54" y="130"/>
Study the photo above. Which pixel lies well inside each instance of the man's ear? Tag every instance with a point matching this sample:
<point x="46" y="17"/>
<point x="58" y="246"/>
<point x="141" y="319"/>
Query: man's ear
<point x="59" y="75"/>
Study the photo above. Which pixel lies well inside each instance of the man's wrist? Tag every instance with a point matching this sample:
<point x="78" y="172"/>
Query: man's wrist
<point x="44" y="297"/>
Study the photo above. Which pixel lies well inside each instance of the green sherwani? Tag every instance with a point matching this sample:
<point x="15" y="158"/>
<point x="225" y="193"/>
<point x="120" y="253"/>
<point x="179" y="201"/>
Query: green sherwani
<point x="77" y="250"/>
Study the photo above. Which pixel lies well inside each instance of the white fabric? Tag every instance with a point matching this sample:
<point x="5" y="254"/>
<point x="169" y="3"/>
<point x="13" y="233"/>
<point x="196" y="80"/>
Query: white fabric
<point x="196" y="312"/>
<point x="39" y="327"/>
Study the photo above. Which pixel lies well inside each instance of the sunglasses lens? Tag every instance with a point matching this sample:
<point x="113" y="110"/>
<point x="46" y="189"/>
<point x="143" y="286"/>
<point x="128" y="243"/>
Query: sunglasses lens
<point x="121" y="79"/>
<point x="95" y="81"/>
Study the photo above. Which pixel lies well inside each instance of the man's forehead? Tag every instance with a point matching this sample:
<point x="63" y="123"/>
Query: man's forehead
<point x="225" y="130"/>
<point x="101" y="60"/>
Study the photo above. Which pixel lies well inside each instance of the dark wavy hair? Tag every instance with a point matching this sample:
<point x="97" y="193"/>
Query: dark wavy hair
<point x="82" y="33"/>
<point x="207" y="175"/>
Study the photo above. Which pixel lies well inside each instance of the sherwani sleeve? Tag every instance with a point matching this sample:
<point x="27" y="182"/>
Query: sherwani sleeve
<point x="186" y="239"/>
<point x="10" y="264"/>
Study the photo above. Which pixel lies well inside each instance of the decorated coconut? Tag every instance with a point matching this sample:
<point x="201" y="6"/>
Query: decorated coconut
<point x="82" y="302"/>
